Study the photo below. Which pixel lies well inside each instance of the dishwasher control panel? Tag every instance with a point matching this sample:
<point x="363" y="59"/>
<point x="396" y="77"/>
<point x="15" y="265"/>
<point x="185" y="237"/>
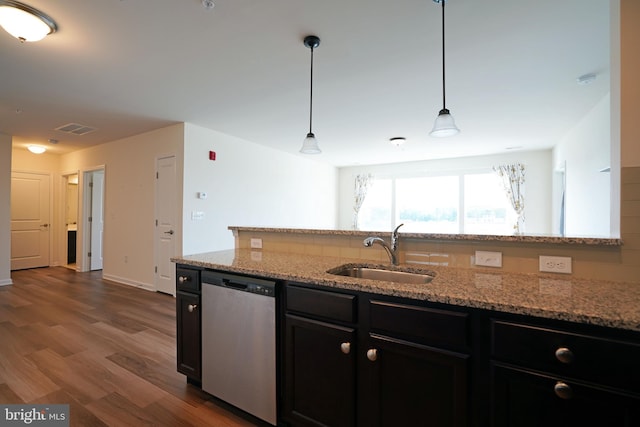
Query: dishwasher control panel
<point x="269" y="291"/>
<point x="240" y="283"/>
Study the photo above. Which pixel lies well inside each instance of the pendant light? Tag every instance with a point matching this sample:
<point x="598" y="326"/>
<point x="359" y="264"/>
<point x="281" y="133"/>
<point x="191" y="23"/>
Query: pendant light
<point x="25" y="22"/>
<point x="444" y="125"/>
<point x="310" y="144"/>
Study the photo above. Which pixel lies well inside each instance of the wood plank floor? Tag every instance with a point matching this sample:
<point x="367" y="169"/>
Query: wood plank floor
<point x="107" y="350"/>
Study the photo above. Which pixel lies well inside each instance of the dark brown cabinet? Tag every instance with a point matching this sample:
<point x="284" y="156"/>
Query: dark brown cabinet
<point x="416" y="367"/>
<point x="320" y="373"/>
<point x="188" y="323"/>
<point x="546" y="376"/>
<point x="351" y="360"/>
<point x="320" y="347"/>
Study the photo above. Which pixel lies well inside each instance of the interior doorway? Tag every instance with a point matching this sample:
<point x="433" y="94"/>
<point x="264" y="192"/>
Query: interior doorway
<point x="71" y="198"/>
<point x="166" y="226"/>
<point x="30" y="220"/>
<point x="93" y="219"/>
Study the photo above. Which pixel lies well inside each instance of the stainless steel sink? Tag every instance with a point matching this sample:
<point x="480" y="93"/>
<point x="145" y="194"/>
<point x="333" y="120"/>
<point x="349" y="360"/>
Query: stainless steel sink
<point x="382" y="273"/>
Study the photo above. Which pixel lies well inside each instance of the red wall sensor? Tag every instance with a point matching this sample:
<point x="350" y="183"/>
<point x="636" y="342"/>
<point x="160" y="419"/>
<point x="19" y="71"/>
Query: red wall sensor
<point x="212" y="155"/>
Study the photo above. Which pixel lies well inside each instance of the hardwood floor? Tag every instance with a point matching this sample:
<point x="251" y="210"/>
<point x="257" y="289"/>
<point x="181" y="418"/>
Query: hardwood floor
<point x="107" y="350"/>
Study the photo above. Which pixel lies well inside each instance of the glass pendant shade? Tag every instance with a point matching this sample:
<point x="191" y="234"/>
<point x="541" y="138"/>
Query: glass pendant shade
<point x="310" y="145"/>
<point x="24" y="22"/>
<point x="444" y="125"/>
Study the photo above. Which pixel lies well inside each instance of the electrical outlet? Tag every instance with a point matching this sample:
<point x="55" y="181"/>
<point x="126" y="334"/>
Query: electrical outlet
<point x="555" y="264"/>
<point x="256" y="243"/>
<point x="488" y="259"/>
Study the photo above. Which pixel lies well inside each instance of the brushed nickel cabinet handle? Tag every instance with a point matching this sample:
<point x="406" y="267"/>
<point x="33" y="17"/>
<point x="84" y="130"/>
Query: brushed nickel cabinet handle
<point x="192" y="307"/>
<point x="564" y="355"/>
<point x="372" y="354"/>
<point x="345" y="347"/>
<point x="563" y="390"/>
<point x="183" y="279"/>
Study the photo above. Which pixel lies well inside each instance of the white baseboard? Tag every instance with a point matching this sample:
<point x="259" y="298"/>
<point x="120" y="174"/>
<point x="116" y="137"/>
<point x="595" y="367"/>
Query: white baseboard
<point x="6" y="282"/>
<point x="124" y="281"/>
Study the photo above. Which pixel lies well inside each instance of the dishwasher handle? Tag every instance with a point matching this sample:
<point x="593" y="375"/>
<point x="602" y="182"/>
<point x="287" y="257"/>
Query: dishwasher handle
<point x="231" y="284"/>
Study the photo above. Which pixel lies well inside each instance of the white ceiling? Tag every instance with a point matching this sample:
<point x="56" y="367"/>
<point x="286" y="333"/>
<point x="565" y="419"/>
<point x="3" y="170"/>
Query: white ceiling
<point x="129" y="66"/>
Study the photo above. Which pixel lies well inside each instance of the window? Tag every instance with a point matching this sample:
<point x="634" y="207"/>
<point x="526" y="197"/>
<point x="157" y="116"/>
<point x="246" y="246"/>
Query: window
<point x="428" y="204"/>
<point x="486" y="207"/>
<point x="375" y="213"/>
<point x="472" y="203"/>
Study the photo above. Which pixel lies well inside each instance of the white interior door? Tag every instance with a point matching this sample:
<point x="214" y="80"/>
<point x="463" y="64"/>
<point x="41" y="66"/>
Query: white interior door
<point x="97" y="219"/>
<point x="30" y="220"/>
<point x="166" y="199"/>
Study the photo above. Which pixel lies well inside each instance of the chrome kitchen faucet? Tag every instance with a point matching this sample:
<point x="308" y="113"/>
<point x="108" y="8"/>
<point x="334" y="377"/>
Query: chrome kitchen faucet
<point x="391" y="250"/>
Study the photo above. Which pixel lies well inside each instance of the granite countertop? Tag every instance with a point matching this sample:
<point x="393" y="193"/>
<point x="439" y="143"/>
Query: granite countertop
<point x="547" y="239"/>
<point x="610" y="304"/>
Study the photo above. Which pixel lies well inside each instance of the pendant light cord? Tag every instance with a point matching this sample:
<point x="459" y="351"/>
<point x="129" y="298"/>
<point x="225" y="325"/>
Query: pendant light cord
<point x="311" y="93"/>
<point x="444" y="96"/>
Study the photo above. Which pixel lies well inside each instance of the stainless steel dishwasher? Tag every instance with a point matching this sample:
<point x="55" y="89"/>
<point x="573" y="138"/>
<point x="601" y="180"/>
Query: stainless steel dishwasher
<point x="239" y="342"/>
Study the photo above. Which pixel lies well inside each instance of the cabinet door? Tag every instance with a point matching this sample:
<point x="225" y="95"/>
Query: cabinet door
<point x="188" y="334"/>
<point x="407" y="384"/>
<point x="319" y="373"/>
<point x="524" y="399"/>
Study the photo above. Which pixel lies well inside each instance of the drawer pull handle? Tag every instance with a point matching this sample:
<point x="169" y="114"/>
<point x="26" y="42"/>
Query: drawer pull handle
<point x="564" y="355"/>
<point x="345" y="347"/>
<point x="563" y="390"/>
<point x="183" y="279"/>
<point x="372" y="354"/>
<point x="192" y="307"/>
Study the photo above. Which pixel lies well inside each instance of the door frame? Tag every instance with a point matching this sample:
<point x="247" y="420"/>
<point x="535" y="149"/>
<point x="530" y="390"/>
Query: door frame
<point x="83" y="263"/>
<point x="62" y="223"/>
<point x="176" y="219"/>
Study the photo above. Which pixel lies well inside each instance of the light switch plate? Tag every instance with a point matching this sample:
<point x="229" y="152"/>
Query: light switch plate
<point x="489" y="259"/>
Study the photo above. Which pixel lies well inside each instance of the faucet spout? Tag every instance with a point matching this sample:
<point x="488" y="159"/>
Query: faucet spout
<point x="391" y="250"/>
<point x="369" y="241"/>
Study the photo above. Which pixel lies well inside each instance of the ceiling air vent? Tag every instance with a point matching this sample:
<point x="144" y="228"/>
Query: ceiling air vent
<point x="75" y="129"/>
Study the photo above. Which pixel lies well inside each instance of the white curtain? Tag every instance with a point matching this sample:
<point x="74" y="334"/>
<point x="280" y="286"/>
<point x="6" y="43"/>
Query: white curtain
<point x="512" y="176"/>
<point x="362" y="184"/>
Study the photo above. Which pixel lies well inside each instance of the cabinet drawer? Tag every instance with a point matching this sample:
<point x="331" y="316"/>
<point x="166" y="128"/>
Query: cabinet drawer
<point x="324" y="304"/>
<point x="429" y="326"/>
<point x="187" y="280"/>
<point x="586" y="357"/>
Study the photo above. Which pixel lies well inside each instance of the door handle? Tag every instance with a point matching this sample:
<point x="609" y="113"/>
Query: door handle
<point x="168" y="232"/>
<point x="44" y="225"/>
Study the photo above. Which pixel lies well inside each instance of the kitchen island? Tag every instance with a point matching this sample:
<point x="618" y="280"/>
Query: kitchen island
<point x="474" y="347"/>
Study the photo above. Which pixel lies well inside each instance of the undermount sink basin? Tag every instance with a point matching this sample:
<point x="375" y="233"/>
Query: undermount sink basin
<point x="382" y="273"/>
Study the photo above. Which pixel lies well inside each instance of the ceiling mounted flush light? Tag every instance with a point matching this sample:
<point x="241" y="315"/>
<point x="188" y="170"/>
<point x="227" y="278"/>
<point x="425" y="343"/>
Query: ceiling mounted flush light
<point x="444" y="125"/>
<point x="208" y="4"/>
<point x="310" y="144"/>
<point x="397" y="140"/>
<point x="25" y="22"/>
<point x="586" y="79"/>
<point x="36" y="149"/>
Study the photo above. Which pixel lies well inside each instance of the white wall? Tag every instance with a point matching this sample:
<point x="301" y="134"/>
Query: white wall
<point x="585" y="150"/>
<point x="5" y="209"/>
<point x="129" y="206"/>
<point x="537" y="186"/>
<point x="250" y="185"/>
